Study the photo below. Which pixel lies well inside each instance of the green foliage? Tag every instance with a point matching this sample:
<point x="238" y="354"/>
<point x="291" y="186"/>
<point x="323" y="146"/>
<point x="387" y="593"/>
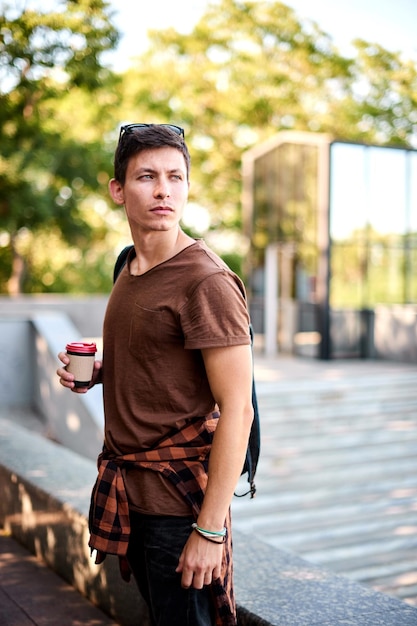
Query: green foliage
<point x="234" y="261"/>
<point x="247" y="70"/>
<point x="250" y="69"/>
<point x="48" y="165"/>
<point x="369" y="269"/>
<point x="232" y="82"/>
<point x="385" y="96"/>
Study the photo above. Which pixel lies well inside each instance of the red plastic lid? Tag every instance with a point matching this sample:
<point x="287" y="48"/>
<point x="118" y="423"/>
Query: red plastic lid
<point x="82" y="348"/>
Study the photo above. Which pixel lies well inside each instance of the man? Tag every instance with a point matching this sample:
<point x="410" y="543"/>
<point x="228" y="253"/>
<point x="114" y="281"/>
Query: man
<point x="177" y="380"/>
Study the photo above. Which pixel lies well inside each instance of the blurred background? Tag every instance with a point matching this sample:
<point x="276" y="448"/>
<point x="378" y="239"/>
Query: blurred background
<point x="232" y="73"/>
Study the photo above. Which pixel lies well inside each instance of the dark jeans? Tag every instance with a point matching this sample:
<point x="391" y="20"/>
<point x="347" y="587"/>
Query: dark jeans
<point x="156" y="543"/>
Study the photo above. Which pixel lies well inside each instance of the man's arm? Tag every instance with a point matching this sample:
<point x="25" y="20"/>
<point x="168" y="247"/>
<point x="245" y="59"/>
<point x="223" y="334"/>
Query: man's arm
<point x="229" y="372"/>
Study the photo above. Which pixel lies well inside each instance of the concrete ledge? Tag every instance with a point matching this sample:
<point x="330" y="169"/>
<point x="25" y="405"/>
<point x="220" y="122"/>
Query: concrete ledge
<point x="44" y="500"/>
<point x="76" y="421"/>
<point x="275" y="588"/>
<point x="28" y="349"/>
<point x="86" y="312"/>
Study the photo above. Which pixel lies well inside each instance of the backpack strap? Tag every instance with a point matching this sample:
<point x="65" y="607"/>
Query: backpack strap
<point x="121" y="262"/>
<point x="254" y="443"/>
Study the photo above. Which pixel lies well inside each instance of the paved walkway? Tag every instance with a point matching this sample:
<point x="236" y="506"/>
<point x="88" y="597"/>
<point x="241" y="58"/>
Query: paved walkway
<point x="317" y="482"/>
<point x="337" y="479"/>
<point x="31" y="594"/>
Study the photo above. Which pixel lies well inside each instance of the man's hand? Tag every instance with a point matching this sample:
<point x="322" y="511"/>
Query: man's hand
<point x="200" y="562"/>
<point x="67" y="380"/>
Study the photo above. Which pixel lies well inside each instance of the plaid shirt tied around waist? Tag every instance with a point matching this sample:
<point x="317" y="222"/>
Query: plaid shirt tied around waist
<point x="182" y="458"/>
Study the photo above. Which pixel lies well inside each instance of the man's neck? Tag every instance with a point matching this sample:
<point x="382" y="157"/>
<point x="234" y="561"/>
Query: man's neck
<point x="156" y="247"/>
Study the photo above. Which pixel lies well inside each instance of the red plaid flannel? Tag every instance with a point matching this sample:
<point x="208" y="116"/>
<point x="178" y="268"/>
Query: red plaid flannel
<point x="183" y="459"/>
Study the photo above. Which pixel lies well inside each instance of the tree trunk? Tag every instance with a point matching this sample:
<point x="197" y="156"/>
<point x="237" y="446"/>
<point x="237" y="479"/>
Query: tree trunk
<point x="15" y="282"/>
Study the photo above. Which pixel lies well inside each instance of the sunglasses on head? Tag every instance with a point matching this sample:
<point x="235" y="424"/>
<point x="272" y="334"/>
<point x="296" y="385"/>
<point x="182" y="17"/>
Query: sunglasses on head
<point x="130" y="128"/>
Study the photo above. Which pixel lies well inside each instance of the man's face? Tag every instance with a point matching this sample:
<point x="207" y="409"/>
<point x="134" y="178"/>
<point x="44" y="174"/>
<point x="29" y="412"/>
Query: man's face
<point x="155" y="190"/>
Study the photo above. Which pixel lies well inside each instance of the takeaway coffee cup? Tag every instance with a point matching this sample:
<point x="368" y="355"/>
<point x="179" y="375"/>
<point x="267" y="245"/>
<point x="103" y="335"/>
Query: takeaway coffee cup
<point x="81" y="363"/>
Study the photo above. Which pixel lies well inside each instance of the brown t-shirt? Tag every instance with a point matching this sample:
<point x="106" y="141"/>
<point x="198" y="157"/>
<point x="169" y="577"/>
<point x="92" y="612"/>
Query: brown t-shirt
<point x="153" y="373"/>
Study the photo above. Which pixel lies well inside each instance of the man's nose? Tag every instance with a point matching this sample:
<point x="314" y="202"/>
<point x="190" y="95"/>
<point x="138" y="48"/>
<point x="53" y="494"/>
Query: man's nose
<point x="162" y="188"/>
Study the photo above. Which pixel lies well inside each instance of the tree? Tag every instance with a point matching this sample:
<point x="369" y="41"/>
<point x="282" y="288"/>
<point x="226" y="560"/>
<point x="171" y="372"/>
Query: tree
<point x="250" y="69"/>
<point x="384" y="96"/>
<point x="49" y="159"/>
<point x="235" y="80"/>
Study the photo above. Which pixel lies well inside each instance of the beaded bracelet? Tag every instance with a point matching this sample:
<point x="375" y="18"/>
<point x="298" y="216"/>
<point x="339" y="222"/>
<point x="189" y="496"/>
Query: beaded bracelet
<point x="211" y="535"/>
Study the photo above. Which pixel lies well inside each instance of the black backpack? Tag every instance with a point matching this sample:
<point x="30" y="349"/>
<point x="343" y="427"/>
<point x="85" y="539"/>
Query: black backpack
<point x="254" y="443"/>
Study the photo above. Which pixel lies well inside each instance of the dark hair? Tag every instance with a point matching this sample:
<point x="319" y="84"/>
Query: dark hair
<point x="146" y="138"/>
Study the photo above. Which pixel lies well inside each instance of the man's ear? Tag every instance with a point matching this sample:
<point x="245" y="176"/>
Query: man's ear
<point x="116" y="191"/>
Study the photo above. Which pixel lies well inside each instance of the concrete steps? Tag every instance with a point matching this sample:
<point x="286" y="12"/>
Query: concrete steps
<point x="337" y="480"/>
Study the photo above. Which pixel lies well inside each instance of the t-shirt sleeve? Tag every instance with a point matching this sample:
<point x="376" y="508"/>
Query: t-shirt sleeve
<point x="215" y="314"/>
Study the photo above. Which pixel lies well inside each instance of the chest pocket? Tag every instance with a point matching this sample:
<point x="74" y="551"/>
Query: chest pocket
<point x="152" y="332"/>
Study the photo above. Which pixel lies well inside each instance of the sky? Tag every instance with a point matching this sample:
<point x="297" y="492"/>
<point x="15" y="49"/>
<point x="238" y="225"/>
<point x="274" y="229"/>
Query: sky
<point x="391" y="23"/>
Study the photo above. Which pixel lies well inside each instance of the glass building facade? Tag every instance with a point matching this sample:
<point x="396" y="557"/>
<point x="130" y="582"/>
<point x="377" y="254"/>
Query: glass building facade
<point x="339" y="221"/>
